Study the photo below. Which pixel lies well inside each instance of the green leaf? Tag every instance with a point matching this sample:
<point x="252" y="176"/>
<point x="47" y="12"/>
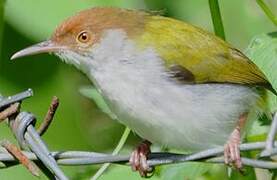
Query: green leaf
<point x="38" y="18"/>
<point x="189" y="170"/>
<point x="263" y="52"/>
<point x="91" y="93"/>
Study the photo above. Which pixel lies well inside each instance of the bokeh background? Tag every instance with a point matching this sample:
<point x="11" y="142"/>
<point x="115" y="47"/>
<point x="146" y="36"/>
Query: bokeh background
<point x="79" y="124"/>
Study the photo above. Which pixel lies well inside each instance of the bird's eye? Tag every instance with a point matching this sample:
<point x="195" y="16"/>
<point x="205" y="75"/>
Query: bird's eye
<point x="83" y="37"/>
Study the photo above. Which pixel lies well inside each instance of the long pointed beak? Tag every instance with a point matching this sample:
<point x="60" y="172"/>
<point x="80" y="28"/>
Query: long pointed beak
<point x="43" y="47"/>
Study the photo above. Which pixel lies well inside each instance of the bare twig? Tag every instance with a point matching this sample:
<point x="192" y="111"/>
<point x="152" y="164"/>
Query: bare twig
<point x="14" y="108"/>
<point x="16" y="152"/>
<point x="49" y="116"/>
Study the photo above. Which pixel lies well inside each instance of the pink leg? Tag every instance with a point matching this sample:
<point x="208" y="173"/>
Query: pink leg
<point x="138" y="159"/>
<point x="231" y="148"/>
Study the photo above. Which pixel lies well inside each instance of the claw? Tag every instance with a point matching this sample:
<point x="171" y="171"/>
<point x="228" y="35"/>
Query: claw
<point x="138" y="159"/>
<point x="231" y="150"/>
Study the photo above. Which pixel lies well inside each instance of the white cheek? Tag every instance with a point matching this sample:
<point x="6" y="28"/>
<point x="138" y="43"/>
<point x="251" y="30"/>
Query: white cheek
<point x="75" y="59"/>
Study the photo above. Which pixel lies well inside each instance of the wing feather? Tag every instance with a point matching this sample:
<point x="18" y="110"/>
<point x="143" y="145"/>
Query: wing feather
<point x="202" y="55"/>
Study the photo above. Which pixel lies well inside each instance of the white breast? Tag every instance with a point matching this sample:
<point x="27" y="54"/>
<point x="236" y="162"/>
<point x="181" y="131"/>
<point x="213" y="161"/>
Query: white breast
<point x="143" y="96"/>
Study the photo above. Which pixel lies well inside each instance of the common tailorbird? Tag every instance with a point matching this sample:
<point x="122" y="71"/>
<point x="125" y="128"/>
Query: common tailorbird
<point x="172" y="83"/>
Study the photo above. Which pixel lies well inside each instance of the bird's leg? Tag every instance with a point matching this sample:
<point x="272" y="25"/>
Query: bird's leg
<point x="138" y="159"/>
<point x="231" y="148"/>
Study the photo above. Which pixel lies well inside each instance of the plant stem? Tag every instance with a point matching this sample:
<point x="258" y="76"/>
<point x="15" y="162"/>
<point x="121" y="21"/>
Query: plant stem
<point x="267" y="11"/>
<point x="119" y="146"/>
<point x="216" y="18"/>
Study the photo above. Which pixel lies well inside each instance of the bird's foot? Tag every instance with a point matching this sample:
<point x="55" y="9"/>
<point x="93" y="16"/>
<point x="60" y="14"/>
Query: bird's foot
<point x="231" y="150"/>
<point x="138" y="159"/>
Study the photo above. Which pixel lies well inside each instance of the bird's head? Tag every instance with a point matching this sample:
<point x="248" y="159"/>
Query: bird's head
<point x="75" y="38"/>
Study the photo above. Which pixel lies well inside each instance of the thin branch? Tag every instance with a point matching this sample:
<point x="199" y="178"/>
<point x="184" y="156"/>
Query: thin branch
<point x="216" y="18"/>
<point x="14" y="108"/>
<point x="49" y="116"/>
<point x="16" y="152"/>
<point x="267" y="11"/>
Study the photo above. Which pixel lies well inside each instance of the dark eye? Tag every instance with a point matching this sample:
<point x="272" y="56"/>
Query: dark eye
<point x="83" y="37"/>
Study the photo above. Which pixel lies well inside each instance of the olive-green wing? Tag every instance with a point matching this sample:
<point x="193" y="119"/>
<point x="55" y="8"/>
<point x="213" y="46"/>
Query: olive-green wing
<point x="197" y="56"/>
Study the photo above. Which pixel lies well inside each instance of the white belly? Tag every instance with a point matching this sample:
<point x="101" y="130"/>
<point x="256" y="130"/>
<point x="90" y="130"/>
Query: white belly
<point x="191" y="118"/>
<point x="188" y="117"/>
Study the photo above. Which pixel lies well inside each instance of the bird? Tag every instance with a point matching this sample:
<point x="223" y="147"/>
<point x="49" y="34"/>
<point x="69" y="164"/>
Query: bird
<point x="172" y="83"/>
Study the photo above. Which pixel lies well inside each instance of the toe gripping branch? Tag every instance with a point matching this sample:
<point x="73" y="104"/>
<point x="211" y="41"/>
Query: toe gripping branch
<point x="35" y="156"/>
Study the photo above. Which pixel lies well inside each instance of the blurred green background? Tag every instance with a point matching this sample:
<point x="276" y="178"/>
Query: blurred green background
<point x="79" y="124"/>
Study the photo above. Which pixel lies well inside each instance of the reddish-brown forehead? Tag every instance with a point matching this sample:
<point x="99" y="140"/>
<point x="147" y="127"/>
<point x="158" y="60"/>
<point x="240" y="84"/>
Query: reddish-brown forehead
<point x="70" y="26"/>
<point x="99" y="19"/>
